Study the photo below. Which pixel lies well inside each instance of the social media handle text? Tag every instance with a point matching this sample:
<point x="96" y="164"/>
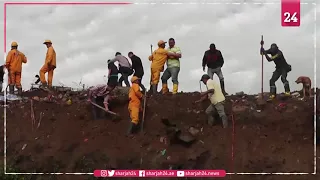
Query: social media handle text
<point x="116" y="173"/>
<point x="201" y="173"/>
<point x="157" y="173"/>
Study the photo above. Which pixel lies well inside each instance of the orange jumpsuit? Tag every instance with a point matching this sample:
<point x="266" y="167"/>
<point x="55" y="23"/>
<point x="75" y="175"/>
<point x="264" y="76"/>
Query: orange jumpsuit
<point x="158" y="58"/>
<point x="48" y="67"/>
<point x="135" y="96"/>
<point x="14" y="62"/>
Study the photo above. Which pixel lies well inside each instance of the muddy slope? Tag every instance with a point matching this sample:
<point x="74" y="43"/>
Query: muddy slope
<point x="277" y="137"/>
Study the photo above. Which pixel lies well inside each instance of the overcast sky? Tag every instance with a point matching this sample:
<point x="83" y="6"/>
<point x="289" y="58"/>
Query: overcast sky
<point x="86" y="36"/>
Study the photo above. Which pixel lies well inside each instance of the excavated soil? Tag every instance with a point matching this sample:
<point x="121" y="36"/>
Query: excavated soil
<point x="275" y="137"/>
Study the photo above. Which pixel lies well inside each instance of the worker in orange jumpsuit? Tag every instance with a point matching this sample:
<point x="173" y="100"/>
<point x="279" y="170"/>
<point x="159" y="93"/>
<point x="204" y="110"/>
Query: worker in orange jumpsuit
<point x="49" y="65"/>
<point x="14" y="62"/>
<point x="135" y="96"/>
<point x="158" y="58"/>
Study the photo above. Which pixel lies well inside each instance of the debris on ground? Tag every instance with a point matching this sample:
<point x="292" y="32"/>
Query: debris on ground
<point x="176" y="134"/>
<point x="240" y="93"/>
<point x="193" y="131"/>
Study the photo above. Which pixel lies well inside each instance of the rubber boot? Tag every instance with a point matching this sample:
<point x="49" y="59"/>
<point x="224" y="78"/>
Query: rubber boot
<point x="164" y="88"/>
<point x="44" y="86"/>
<point x="287" y="89"/>
<point x="132" y="128"/>
<point x="155" y="88"/>
<point x="20" y="91"/>
<point x="210" y="120"/>
<point x="223" y="88"/>
<point x="175" y="89"/>
<point x="273" y="92"/>
<point x="11" y="89"/>
<point x="151" y="89"/>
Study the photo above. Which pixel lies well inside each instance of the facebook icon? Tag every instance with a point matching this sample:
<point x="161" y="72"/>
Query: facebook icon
<point x="142" y="173"/>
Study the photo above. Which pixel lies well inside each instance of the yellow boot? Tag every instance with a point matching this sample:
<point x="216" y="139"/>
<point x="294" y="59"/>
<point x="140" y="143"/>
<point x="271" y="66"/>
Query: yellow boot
<point x="175" y="89"/>
<point x="165" y="88"/>
<point x="271" y="97"/>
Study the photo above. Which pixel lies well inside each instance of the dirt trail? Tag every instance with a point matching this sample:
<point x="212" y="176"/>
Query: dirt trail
<point x="68" y="140"/>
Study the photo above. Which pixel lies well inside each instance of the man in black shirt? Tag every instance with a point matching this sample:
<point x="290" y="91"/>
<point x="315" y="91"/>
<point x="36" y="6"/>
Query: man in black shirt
<point x="214" y="61"/>
<point x="137" y="67"/>
<point x="113" y="74"/>
<point x="282" y="69"/>
<point x="1" y="76"/>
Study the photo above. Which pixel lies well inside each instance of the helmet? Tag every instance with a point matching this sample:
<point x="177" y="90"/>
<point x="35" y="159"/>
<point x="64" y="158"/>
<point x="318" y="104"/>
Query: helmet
<point x="47" y="42"/>
<point x="14" y="44"/>
<point x="273" y="45"/>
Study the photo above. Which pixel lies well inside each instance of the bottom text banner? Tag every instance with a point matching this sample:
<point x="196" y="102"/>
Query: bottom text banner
<point x="159" y="173"/>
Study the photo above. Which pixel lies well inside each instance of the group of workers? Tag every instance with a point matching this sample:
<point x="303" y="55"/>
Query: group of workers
<point x="171" y="56"/>
<point x="16" y="58"/>
<point x="212" y="58"/>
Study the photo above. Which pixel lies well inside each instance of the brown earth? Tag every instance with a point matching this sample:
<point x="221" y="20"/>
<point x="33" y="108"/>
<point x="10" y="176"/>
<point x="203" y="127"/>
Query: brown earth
<point x="68" y="140"/>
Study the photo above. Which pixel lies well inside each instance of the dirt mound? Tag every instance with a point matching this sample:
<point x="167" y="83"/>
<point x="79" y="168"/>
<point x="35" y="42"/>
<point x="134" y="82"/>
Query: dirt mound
<point x="273" y="137"/>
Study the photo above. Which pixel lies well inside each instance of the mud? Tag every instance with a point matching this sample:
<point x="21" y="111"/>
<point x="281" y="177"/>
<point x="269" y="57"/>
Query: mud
<point x="273" y="137"/>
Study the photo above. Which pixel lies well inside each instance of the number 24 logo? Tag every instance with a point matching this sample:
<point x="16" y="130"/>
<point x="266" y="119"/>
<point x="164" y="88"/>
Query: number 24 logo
<point x="290" y="17"/>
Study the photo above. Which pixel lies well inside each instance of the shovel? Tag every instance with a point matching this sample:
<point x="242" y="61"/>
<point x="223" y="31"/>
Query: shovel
<point x="110" y="112"/>
<point x="262" y="100"/>
<point x="144" y="110"/>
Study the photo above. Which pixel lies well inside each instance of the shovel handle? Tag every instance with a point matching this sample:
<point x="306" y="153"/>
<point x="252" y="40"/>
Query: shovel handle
<point x="144" y="109"/>
<point x="103" y="108"/>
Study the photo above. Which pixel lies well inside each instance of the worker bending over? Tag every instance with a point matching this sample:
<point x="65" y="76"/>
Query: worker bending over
<point x="306" y="82"/>
<point x="14" y="62"/>
<point x="100" y="93"/>
<point x="173" y="68"/>
<point x="217" y="100"/>
<point x="158" y="58"/>
<point x="282" y="69"/>
<point x="213" y="59"/>
<point x="135" y="96"/>
<point x="125" y="68"/>
<point x="49" y="66"/>
<point x="137" y="67"/>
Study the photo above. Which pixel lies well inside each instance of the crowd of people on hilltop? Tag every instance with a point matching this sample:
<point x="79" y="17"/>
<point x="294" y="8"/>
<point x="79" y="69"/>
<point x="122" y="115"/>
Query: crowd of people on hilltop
<point x="171" y="56"/>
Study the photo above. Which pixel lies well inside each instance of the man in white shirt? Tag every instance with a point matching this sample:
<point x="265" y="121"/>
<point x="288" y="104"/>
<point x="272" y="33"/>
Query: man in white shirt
<point x="125" y="68"/>
<point x="217" y="99"/>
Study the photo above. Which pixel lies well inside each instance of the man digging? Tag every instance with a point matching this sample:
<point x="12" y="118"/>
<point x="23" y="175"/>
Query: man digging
<point x="217" y="99"/>
<point x="282" y="69"/>
<point x="98" y="93"/>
